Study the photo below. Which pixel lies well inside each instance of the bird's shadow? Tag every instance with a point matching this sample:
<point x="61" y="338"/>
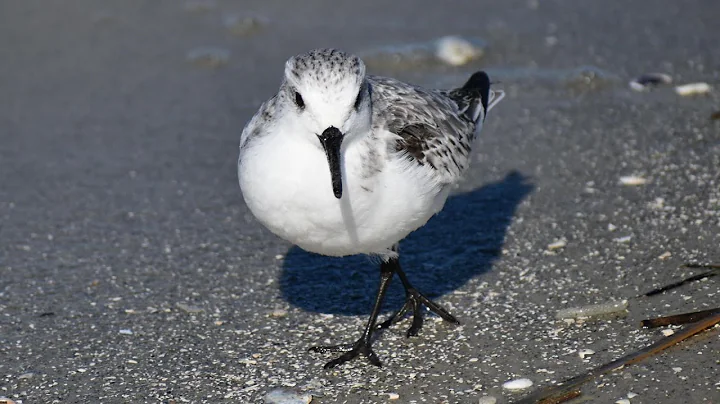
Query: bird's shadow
<point x="459" y="243"/>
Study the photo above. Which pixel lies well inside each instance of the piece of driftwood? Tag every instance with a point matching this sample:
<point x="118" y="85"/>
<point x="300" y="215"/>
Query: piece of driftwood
<point x="570" y="385"/>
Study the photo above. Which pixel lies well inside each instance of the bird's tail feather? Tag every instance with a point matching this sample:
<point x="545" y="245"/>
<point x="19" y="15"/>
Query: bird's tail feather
<point x="494" y="97"/>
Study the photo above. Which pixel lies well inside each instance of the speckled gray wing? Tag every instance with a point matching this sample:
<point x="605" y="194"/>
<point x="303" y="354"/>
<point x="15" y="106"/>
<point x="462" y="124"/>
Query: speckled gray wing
<point x="258" y="124"/>
<point x="433" y="127"/>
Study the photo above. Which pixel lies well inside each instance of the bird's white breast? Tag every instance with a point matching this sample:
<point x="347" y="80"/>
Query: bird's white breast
<point x="286" y="183"/>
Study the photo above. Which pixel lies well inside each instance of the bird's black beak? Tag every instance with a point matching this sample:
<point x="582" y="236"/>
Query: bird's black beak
<point x="331" y="139"/>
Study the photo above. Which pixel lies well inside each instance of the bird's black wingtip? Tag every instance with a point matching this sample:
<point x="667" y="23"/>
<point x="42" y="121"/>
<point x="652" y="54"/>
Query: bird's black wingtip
<point x="479" y="81"/>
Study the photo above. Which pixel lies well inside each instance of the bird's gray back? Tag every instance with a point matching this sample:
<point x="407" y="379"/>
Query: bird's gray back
<point x="431" y="126"/>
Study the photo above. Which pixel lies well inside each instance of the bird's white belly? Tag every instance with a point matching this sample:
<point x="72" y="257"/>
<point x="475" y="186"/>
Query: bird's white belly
<point x="287" y="187"/>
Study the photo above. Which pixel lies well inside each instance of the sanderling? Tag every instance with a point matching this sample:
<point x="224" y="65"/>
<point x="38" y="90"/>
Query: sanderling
<point x="339" y="162"/>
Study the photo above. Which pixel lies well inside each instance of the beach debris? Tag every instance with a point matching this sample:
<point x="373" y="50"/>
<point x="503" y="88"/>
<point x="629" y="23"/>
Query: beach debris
<point x="557" y="244"/>
<point x="680" y="319"/>
<point x="517" y="384"/>
<point x="622" y="240"/>
<point x="487" y="400"/>
<point x="633" y="180"/>
<point x="208" y="57"/>
<point x="668" y="332"/>
<point x="665" y="255"/>
<point x="26" y="376"/>
<point x="448" y="50"/>
<point x="5" y="400"/>
<point x="627" y="360"/>
<point x="585" y="352"/>
<point x="593" y="310"/>
<point x="393" y="396"/>
<point x="286" y="396"/>
<point x="279" y="313"/>
<point x="189" y="308"/>
<point x="622" y="401"/>
<point x="126" y="331"/>
<point x="645" y="81"/>
<point x="691" y="89"/>
<point x="243" y="25"/>
<point x="631" y="395"/>
<point x="713" y="270"/>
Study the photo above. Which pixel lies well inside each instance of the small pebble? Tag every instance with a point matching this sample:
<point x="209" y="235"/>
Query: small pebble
<point x="715" y="116"/>
<point x="456" y="51"/>
<point x="668" y="332"/>
<point x="687" y="90"/>
<point x="448" y="50"/>
<point x="126" y="331"/>
<point x="393" y="396"/>
<point x="585" y="352"/>
<point x="632" y="180"/>
<point x="622" y="401"/>
<point x="285" y="396"/>
<point x="665" y="255"/>
<point x="556" y="245"/>
<point x="517" y="384"/>
<point x="279" y="313"/>
<point x="645" y="81"/>
<point x="243" y="25"/>
<point x="487" y="400"/>
<point x="132" y="362"/>
<point x="631" y="395"/>
<point x="209" y="57"/>
<point x="677" y="369"/>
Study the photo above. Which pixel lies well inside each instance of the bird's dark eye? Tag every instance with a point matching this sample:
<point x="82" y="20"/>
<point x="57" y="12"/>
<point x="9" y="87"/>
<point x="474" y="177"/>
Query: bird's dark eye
<point x="299" y="100"/>
<point x="358" y="100"/>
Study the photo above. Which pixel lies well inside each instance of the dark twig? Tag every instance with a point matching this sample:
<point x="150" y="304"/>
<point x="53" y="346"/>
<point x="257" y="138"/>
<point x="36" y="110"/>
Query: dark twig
<point x="714" y="270"/>
<point x="562" y="398"/>
<point x="679" y="319"/>
<point x="635" y="357"/>
<point x="704" y="266"/>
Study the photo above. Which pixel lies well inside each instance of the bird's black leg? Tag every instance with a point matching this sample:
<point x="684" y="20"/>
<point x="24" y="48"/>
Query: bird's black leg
<point x="364" y="344"/>
<point x="414" y="300"/>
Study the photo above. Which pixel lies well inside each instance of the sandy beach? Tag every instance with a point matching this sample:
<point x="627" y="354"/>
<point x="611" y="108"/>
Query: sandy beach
<point x="132" y="271"/>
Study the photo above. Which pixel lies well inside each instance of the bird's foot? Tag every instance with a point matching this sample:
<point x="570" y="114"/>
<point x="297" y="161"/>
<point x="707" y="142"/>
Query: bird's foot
<point x="414" y="301"/>
<point x="361" y="346"/>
